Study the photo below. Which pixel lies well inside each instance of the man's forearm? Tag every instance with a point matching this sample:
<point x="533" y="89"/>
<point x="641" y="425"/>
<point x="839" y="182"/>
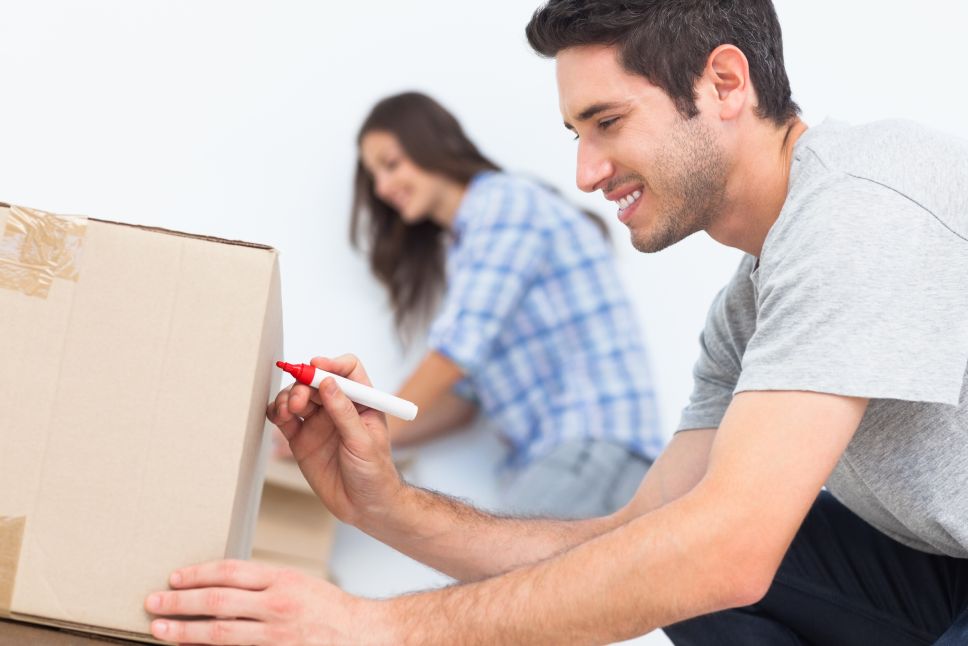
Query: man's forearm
<point x="468" y="544"/>
<point x="678" y="562"/>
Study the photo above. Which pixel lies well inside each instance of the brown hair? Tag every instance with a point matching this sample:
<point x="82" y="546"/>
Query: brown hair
<point x="408" y="259"/>
<point x="669" y="42"/>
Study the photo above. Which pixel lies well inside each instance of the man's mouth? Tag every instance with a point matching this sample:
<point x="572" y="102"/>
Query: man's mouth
<point x="627" y="203"/>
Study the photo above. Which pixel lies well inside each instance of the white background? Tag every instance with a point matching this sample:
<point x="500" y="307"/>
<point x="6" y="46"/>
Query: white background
<point x="238" y="119"/>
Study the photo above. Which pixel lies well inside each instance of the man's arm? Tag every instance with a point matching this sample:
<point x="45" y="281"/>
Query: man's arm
<point x="441" y="411"/>
<point x="717" y="546"/>
<point x="344" y="453"/>
<point x="469" y="544"/>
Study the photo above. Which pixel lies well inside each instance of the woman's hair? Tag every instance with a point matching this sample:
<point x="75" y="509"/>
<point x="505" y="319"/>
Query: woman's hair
<point x="408" y="259"/>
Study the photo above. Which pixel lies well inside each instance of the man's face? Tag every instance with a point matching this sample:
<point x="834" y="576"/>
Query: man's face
<point x="667" y="174"/>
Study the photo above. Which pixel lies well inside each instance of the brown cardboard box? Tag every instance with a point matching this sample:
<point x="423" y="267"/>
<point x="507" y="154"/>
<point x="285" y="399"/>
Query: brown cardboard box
<point x="17" y="634"/>
<point x="294" y="528"/>
<point x="135" y="367"/>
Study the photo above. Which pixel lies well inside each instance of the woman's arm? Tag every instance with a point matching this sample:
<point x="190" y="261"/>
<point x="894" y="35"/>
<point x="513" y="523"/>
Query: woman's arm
<point x="430" y="387"/>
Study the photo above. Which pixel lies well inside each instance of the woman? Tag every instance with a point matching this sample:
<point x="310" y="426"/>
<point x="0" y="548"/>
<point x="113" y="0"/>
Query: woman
<point x="527" y="319"/>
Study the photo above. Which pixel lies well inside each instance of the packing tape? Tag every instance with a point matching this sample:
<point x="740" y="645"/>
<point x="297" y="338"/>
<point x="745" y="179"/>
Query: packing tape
<point x="38" y="247"/>
<point x="11" y="537"/>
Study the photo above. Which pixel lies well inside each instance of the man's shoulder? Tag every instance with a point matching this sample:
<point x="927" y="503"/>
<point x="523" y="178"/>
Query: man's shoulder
<point x="872" y="181"/>
<point x="878" y="143"/>
<point x="895" y="164"/>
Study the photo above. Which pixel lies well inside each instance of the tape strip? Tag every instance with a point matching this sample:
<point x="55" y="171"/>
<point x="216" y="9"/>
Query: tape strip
<point x="38" y="247"/>
<point x="11" y="537"/>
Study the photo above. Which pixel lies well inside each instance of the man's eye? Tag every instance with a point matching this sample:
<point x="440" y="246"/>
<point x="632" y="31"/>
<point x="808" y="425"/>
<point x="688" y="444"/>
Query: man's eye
<point x="606" y="123"/>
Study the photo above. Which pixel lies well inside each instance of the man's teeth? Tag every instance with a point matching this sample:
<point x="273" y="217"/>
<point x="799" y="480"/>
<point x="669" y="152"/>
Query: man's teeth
<point x="626" y="202"/>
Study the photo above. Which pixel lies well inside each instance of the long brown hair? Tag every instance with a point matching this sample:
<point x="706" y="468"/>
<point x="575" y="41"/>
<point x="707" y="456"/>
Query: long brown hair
<point x="408" y="259"/>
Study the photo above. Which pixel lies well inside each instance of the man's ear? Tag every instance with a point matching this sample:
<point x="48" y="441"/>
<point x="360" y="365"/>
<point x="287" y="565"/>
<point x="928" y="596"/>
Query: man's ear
<point x="728" y="73"/>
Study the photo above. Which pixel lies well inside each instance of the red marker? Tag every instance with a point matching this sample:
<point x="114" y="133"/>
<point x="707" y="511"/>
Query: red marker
<point x="361" y="394"/>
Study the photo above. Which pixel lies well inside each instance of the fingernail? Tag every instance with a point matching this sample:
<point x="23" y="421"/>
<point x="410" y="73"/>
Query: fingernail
<point x="329" y="386"/>
<point x="159" y="628"/>
<point x="154" y="602"/>
<point x="175" y="579"/>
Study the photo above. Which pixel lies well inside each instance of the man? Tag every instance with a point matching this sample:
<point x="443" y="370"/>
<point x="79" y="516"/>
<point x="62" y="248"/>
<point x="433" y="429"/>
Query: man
<point x="836" y="355"/>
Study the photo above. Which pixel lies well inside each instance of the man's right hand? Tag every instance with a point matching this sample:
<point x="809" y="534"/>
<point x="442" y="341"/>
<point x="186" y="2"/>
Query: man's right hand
<point x="342" y="448"/>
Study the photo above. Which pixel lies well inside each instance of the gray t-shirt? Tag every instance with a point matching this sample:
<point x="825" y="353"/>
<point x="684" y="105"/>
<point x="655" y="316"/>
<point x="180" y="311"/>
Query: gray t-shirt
<point x="862" y="290"/>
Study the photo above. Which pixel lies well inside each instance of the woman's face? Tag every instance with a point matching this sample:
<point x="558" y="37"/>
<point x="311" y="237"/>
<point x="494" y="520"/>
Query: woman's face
<point x="410" y="190"/>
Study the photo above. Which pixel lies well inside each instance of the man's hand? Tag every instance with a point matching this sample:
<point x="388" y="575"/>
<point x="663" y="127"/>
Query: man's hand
<point x="343" y="449"/>
<point x="239" y="602"/>
<point x="280" y="445"/>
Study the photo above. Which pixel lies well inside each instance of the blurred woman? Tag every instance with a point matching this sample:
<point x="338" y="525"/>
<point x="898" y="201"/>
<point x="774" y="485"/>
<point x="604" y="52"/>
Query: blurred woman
<point x="525" y="317"/>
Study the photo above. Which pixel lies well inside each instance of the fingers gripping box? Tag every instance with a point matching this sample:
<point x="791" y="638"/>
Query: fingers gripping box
<point x="135" y="367"/>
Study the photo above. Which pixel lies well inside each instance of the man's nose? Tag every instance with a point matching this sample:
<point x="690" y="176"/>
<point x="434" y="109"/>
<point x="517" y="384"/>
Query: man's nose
<point x="593" y="167"/>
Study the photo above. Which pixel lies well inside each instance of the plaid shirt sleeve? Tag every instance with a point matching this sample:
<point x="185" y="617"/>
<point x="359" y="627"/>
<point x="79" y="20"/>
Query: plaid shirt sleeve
<point x="496" y="259"/>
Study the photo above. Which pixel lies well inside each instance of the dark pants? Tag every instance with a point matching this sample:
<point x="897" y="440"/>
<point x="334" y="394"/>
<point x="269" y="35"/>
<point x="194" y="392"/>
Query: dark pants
<point x="844" y="583"/>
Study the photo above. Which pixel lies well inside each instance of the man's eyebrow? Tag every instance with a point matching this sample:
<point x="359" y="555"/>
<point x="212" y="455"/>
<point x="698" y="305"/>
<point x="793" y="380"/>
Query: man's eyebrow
<point x="594" y="109"/>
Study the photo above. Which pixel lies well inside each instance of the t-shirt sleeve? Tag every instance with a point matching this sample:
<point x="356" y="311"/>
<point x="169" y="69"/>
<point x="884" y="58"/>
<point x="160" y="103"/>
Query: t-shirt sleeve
<point x="500" y="255"/>
<point x="729" y="325"/>
<point x="862" y="293"/>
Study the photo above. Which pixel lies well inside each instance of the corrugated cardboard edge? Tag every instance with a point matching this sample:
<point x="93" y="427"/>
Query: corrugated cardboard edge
<point x="86" y="630"/>
<point x="172" y="232"/>
<point x="255" y="454"/>
<point x="18" y="633"/>
<point x="11" y="538"/>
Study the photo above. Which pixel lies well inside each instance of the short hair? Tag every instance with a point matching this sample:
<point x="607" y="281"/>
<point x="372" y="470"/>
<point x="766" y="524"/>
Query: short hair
<point x="669" y="41"/>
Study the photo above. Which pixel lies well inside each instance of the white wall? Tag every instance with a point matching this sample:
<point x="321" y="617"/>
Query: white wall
<point x="238" y="119"/>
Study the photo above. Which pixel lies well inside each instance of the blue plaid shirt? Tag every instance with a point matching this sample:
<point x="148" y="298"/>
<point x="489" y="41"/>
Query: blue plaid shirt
<point x="536" y="317"/>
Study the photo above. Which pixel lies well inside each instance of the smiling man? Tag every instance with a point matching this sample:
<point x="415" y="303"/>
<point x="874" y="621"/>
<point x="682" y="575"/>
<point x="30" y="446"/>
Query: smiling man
<point x="835" y="356"/>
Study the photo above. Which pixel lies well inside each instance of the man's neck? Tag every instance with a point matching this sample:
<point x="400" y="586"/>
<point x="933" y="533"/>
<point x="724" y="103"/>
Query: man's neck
<point x="758" y="188"/>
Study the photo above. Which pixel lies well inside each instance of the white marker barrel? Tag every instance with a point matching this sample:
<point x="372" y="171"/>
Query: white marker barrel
<point x="361" y="394"/>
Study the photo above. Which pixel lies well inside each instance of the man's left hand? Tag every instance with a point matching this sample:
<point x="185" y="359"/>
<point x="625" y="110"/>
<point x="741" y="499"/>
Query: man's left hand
<point x="241" y="602"/>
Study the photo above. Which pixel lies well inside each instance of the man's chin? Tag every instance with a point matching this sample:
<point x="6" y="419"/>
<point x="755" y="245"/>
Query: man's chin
<point x="651" y="243"/>
<point x="668" y="232"/>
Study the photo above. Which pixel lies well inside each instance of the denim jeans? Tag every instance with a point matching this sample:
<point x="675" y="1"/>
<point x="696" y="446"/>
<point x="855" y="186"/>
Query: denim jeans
<point x="843" y="583"/>
<point x="581" y="479"/>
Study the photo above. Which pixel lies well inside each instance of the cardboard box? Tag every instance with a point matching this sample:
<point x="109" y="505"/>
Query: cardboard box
<point x="294" y="528"/>
<point x="17" y="634"/>
<point x="135" y="367"/>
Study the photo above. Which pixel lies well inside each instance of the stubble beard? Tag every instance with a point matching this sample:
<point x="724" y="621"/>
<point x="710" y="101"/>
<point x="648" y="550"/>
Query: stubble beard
<point x="689" y="185"/>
